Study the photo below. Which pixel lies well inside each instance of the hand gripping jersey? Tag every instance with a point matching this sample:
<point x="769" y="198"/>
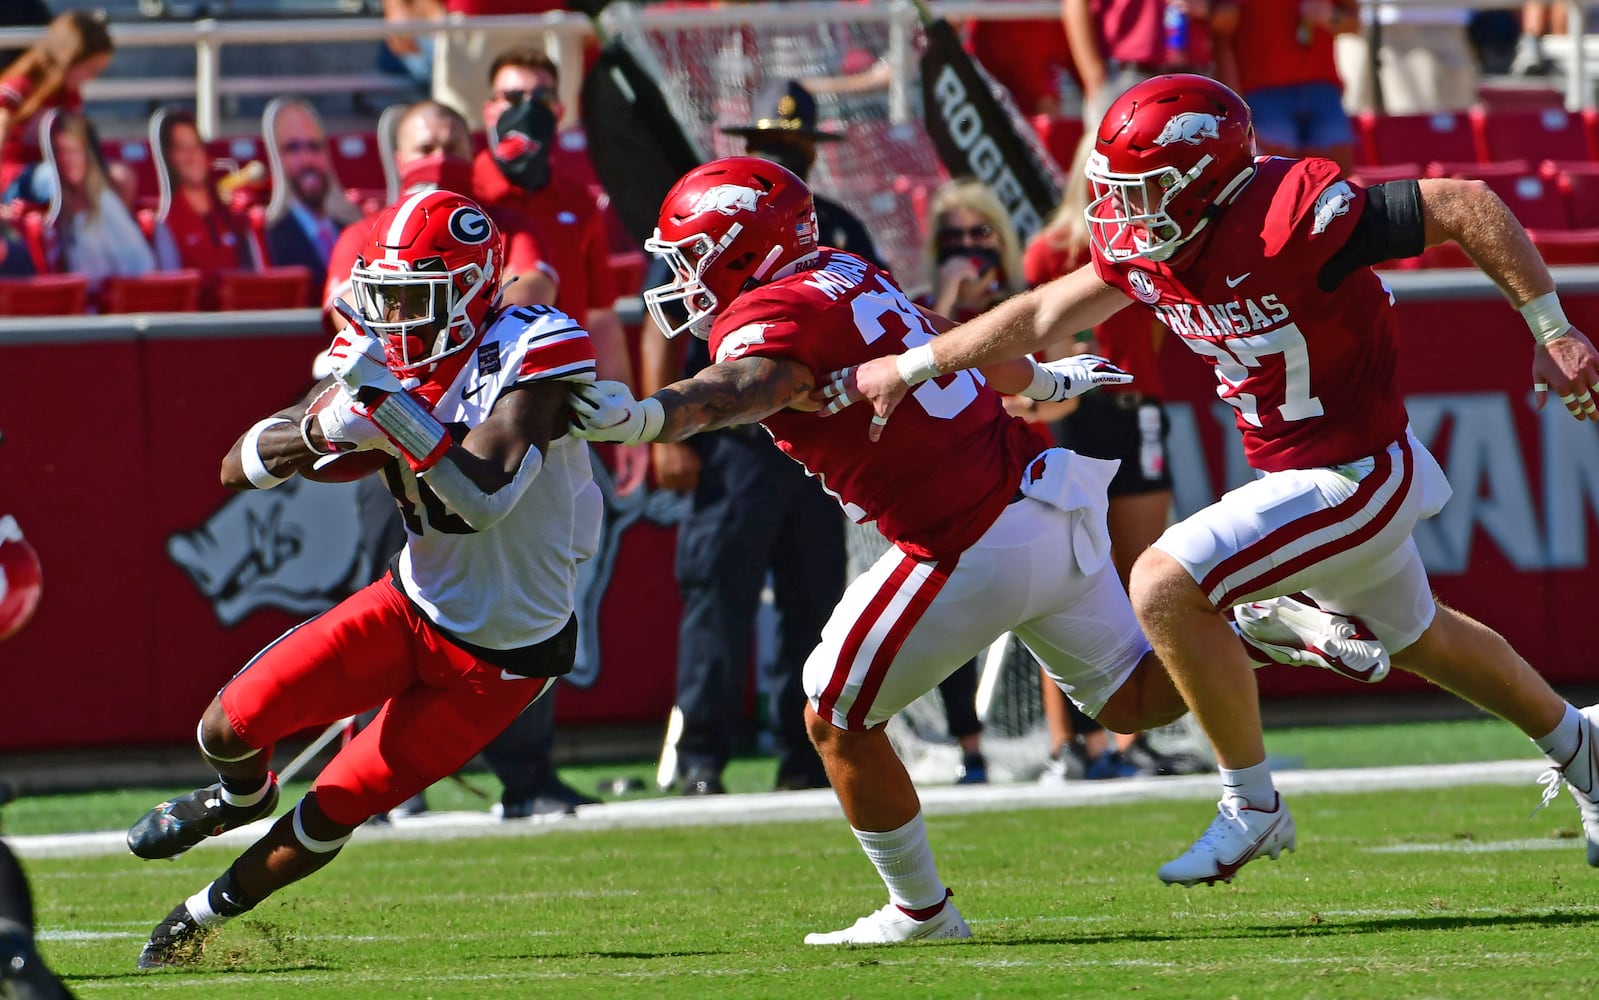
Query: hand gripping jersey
<point x="1310" y="373"/>
<point x="514" y="584"/>
<point x="950" y="458"/>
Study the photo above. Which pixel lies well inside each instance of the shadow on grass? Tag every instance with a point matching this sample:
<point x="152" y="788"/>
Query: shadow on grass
<point x="1315" y="925"/>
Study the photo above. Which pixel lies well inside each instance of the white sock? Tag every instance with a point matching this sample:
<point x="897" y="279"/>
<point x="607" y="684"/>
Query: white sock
<point x="905" y="863"/>
<point x="199" y="906"/>
<point x="247" y="800"/>
<point x="1566" y="747"/>
<point x="1252" y="784"/>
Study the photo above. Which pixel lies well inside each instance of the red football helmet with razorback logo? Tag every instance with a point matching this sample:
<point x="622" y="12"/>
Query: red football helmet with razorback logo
<point x="21" y="578"/>
<point x="1167" y="155"/>
<point x="428" y="278"/>
<point x="726" y="227"/>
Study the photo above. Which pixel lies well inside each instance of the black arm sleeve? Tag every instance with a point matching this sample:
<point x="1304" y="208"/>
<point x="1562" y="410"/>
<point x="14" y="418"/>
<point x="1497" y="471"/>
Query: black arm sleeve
<point x="1391" y="228"/>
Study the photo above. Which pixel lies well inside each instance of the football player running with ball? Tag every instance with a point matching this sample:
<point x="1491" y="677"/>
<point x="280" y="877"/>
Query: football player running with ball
<point x="991" y="531"/>
<point x="464" y="405"/>
<point x="1262" y="265"/>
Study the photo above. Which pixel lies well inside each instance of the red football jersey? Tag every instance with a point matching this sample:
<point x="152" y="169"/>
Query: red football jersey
<point x="1311" y="373"/>
<point x="950" y="458"/>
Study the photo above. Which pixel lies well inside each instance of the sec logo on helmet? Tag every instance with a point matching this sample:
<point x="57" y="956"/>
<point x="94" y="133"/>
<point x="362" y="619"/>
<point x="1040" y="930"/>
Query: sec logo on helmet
<point x="21" y="579"/>
<point x="469" y="225"/>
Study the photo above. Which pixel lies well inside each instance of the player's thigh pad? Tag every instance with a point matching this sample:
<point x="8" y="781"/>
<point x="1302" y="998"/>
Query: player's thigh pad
<point x="340" y="663"/>
<point x="423" y="735"/>
<point x="904" y="625"/>
<point x="1304" y="529"/>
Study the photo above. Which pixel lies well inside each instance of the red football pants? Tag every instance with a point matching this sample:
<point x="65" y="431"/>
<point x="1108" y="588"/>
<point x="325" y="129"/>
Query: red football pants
<point x="440" y="704"/>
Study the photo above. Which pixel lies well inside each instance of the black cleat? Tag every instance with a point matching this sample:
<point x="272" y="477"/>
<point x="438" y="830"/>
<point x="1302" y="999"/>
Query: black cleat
<point x="176" y="825"/>
<point x="175" y="941"/>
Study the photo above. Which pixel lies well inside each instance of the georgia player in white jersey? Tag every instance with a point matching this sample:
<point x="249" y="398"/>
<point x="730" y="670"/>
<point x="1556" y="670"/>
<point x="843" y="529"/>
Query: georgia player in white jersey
<point x="463" y="405"/>
<point x="991" y="531"/>
<point x="1263" y="267"/>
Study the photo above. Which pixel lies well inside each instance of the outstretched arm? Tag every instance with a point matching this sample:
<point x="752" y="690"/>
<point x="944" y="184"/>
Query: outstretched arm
<point x="726" y="394"/>
<point x="1013" y="329"/>
<point x="1468" y="212"/>
<point x="729" y="393"/>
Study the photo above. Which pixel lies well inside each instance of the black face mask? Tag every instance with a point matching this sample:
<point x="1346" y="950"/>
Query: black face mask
<point x="790" y="156"/>
<point x="520" y="142"/>
<point x="986" y="258"/>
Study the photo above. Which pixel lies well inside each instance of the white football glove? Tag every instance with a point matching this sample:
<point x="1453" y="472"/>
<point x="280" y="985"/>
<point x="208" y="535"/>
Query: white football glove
<point x="607" y="411"/>
<point x="357" y="358"/>
<point x="346" y="426"/>
<point x="1070" y="377"/>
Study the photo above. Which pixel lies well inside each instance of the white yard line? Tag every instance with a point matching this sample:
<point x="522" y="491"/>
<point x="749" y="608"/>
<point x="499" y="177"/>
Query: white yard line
<point x="775" y="807"/>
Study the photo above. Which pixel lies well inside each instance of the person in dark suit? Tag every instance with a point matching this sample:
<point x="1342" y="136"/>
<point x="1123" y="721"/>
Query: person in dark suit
<point x="309" y="208"/>
<point x="754" y="511"/>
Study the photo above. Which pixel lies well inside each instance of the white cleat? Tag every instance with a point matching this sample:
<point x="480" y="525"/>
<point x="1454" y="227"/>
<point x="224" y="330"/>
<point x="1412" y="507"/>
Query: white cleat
<point x="1303" y="635"/>
<point x="1587" y="798"/>
<point x="1238" y="835"/>
<point x="892" y="925"/>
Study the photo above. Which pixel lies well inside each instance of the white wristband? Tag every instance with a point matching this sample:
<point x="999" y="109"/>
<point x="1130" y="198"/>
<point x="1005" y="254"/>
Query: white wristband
<point x="917" y="365"/>
<point x="255" y="470"/>
<point x="1545" y="318"/>
<point x="1044" y="384"/>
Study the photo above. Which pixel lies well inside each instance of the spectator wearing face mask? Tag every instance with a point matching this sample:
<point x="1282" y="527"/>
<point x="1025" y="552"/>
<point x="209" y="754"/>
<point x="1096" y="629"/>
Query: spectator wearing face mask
<point x="516" y="172"/>
<point x="432" y="150"/>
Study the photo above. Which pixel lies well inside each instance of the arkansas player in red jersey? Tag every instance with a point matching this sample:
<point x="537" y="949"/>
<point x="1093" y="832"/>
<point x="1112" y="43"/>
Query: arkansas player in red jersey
<point x="475" y="620"/>
<point x="1263" y="267"/>
<point x="992" y="532"/>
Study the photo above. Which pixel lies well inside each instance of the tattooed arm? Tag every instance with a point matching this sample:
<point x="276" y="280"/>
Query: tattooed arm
<point x="741" y="391"/>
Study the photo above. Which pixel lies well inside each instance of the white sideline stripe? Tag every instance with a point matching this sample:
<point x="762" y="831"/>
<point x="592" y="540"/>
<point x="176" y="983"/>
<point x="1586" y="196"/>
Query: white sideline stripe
<point x="786" y="807"/>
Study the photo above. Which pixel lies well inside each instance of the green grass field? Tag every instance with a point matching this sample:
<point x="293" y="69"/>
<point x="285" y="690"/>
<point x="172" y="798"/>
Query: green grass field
<point x="1422" y="893"/>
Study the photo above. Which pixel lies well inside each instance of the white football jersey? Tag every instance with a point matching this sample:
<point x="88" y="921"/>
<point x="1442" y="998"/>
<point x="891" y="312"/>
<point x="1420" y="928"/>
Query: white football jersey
<point x="514" y="584"/>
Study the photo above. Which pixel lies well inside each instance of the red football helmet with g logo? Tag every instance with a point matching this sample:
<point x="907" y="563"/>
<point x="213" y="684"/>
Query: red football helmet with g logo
<point x="726" y="227"/>
<point x="1167" y="155"/>
<point x="21" y="578"/>
<point x="428" y="278"/>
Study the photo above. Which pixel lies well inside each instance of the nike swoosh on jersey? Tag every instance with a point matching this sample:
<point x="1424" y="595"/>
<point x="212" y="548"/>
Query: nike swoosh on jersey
<point x="474" y="390"/>
<point x="506" y="675"/>
<point x="1234" y="282"/>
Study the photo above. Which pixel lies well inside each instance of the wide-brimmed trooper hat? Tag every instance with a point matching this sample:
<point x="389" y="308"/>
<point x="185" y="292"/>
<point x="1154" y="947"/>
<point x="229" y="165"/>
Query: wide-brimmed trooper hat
<point x="783" y="106"/>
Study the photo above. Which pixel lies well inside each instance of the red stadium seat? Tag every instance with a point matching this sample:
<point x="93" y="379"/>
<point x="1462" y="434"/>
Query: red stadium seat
<point x="1445" y="136"/>
<point x="1480" y="171"/>
<point x="237" y="150"/>
<point x="1367" y="174"/>
<point x="1535" y="201"/>
<point x="37" y="236"/>
<point x="1536" y="134"/>
<point x="135" y="155"/>
<point x="1579" y="186"/>
<point x="44" y="295"/>
<point x="166" y="291"/>
<point x="1567" y="246"/>
<point x="272" y="288"/>
<point x="1497" y="97"/>
<point x="357" y="161"/>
